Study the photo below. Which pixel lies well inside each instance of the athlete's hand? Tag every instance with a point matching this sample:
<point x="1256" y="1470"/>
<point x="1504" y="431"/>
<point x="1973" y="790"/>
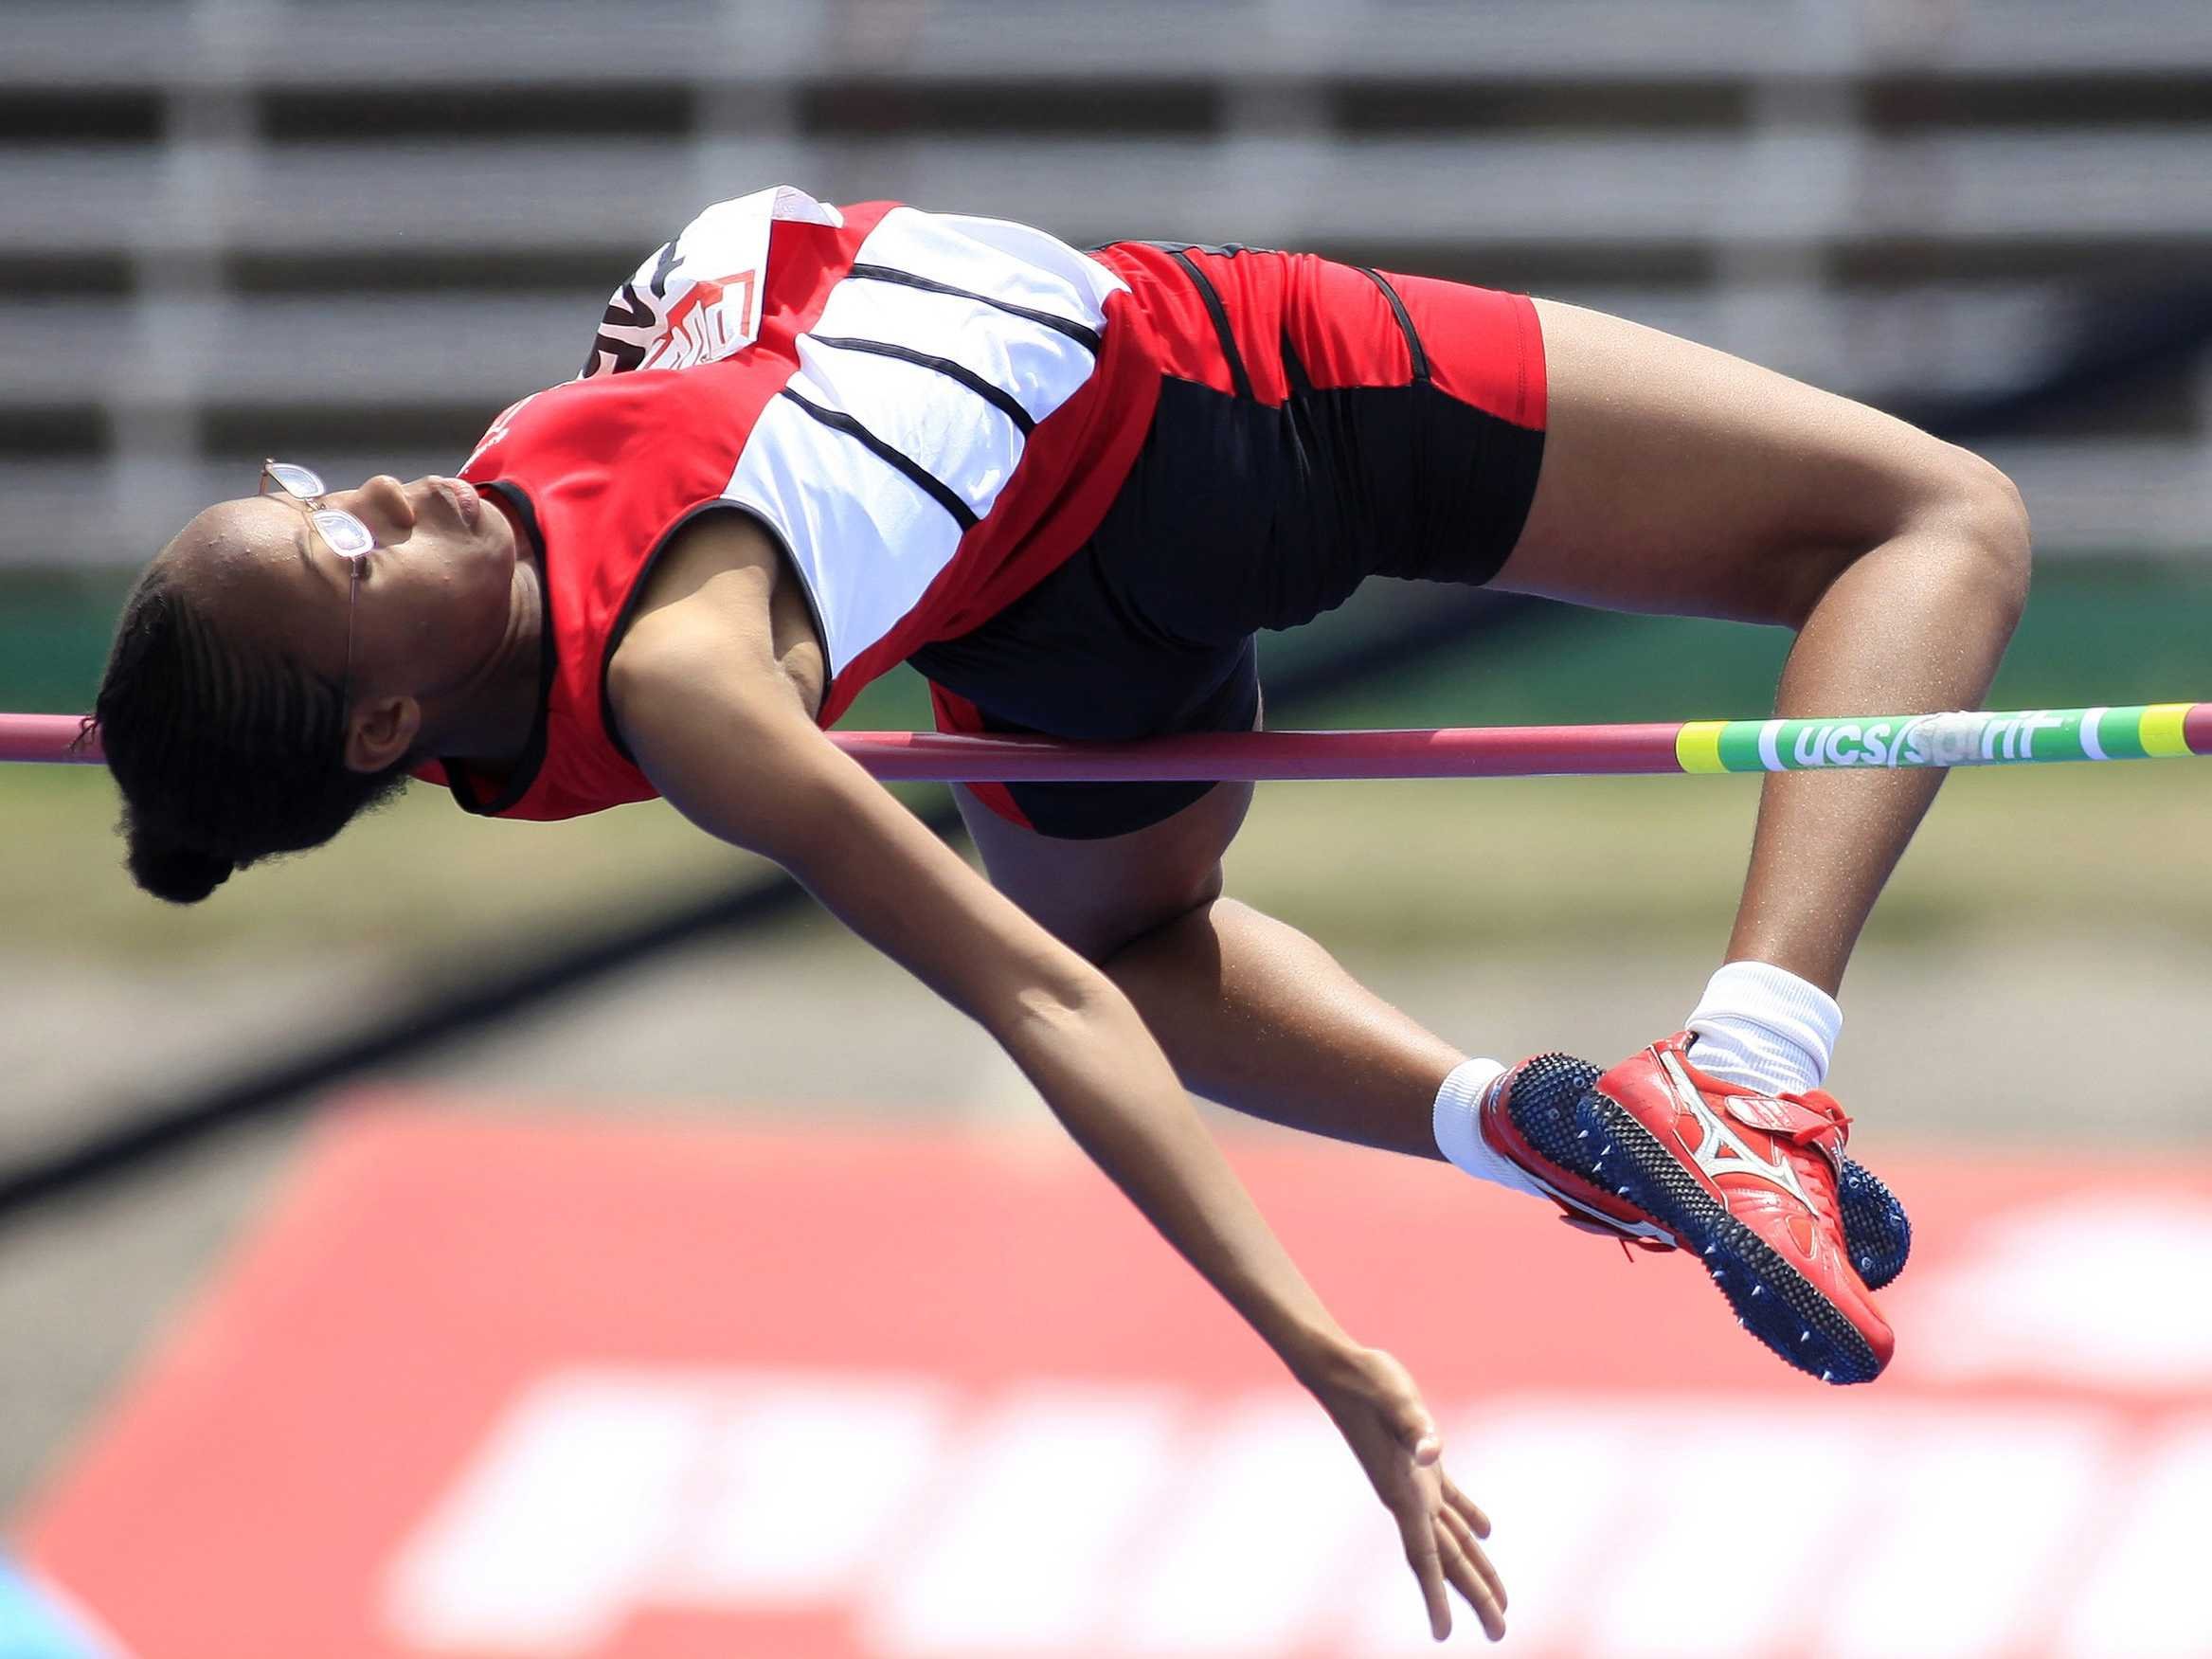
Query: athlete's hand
<point x="1379" y="1412"/>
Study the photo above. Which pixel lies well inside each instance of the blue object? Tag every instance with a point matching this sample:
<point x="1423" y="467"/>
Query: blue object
<point x="33" y="1625"/>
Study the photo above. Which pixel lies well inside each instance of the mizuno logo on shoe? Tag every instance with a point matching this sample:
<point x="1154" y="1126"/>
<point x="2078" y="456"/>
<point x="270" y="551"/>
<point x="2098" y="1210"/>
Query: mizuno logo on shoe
<point x="1720" y="1150"/>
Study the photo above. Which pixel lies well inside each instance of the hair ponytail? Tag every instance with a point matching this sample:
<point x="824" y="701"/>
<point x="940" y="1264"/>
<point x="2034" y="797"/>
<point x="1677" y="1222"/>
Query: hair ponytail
<point x="174" y="872"/>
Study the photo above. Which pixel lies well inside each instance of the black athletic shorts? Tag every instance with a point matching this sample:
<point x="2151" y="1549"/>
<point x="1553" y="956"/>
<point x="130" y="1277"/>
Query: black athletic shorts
<point x="1332" y="423"/>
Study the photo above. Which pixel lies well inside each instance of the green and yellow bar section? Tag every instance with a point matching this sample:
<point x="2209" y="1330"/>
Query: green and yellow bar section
<point x="1854" y="742"/>
<point x="2133" y="733"/>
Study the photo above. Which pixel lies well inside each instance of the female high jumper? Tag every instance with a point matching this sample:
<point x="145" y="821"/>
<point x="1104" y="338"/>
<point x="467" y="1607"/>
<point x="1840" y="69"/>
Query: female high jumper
<point x="811" y="442"/>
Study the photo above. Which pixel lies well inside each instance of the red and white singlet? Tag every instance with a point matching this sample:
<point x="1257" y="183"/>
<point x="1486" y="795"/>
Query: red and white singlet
<point x="929" y="412"/>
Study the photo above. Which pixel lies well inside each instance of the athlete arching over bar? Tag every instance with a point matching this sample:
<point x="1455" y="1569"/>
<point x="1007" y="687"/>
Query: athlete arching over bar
<point x="812" y="442"/>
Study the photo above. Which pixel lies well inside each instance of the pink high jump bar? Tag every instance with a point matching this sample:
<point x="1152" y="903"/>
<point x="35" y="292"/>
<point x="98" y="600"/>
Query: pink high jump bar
<point x="930" y="757"/>
<point x="1473" y="751"/>
<point x="1494" y="751"/>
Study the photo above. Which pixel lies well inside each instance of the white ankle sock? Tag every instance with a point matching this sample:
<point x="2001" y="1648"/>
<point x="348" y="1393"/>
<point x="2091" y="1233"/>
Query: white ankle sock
<point x="1458" y="1129"/>
<point x="1762" y="1027"/>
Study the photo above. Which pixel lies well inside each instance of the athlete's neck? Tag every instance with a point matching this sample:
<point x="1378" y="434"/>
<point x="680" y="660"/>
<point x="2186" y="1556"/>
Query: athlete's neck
<point x="491" y="719"/>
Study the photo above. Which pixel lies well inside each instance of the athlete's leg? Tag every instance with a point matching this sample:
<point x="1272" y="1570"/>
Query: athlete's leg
<point x="1252" y="1013"/>
<point x="1679" y="479"/>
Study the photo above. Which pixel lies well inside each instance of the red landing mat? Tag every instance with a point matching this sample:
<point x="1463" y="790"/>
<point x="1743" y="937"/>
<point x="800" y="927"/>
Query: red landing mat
<point x="487" y="1388"/>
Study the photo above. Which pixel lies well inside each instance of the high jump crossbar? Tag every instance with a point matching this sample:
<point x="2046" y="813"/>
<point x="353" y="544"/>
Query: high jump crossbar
<point x="2133" y="731"/>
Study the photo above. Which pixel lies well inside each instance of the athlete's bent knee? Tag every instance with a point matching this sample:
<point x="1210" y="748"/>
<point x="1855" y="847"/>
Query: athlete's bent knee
<point x="1957" y="518"/>
<point x="1979" y="516"/>
<point x="1106" y="936"/>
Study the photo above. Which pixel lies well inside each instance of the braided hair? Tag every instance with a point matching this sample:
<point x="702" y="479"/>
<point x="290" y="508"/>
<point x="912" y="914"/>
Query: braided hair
<point x="226" y="752"/>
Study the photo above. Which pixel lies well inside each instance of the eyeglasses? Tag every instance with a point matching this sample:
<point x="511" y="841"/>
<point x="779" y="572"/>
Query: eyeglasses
<point x="343" y="533"/>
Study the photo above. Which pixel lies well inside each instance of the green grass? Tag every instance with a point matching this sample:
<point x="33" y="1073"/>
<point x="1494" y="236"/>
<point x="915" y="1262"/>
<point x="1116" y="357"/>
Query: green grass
<point x="2017" y="854"/>
<point x="419" y="884"/>
<point x="2012" y="853"/>
<point x="416" y="883"/>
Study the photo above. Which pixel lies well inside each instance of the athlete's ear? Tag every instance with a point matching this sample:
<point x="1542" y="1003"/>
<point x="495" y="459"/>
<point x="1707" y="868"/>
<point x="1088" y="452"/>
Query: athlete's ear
<point x="381" y="732"/>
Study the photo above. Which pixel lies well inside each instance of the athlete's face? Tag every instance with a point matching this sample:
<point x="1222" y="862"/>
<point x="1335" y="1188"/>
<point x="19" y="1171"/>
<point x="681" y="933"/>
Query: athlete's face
<point x="434" y="598"/>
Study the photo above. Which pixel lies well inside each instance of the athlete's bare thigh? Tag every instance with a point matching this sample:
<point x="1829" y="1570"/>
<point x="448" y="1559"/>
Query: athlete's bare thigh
<point x="1097" y="896"/>
<point x="1677" y="478"/>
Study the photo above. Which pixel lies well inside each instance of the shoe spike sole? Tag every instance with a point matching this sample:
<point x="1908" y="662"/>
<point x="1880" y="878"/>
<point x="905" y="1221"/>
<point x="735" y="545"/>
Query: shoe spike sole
<point x="1558" y="1111"/>
<point x="1775" y="1303"/>
<point x="1876" y="1229"/>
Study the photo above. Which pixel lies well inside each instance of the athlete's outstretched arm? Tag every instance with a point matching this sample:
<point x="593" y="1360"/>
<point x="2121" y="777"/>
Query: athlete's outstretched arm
<point x="705" y="706"/>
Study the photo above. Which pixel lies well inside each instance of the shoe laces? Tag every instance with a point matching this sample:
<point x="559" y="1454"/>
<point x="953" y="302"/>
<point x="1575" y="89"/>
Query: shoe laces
<point x="1830" y="1111"/>
<point x="1630" y="1242"/>
<point x="1813" y="1138"/>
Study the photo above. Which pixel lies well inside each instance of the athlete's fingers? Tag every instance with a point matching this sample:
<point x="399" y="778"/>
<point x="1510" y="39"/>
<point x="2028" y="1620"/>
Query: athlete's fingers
<point x="1467" y="1507"/>
<point x="1473" y="1585"/>
<point x="1422" y="1556"/>
<point x="1464" y="1536"/>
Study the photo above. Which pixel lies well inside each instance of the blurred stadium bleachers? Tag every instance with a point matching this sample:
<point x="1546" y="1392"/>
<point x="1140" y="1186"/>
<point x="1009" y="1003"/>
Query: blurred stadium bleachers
<point x="369" y="226"/>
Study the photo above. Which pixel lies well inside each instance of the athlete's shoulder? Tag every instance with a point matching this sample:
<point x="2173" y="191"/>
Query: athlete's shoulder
<point x="583" y="423"/>
<point x="718" y="284"/>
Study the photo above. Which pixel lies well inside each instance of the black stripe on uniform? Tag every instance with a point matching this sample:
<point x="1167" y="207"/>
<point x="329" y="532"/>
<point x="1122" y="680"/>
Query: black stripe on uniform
<point x="1405" y="322"/>
<point x="1226" y="249"/>
<point x="1294" y="367"/>
<point x="997" y="397"/>
<point x="921" y="477"/>
<point x="1085" y="337"/>
<point x="1238" y="379"/>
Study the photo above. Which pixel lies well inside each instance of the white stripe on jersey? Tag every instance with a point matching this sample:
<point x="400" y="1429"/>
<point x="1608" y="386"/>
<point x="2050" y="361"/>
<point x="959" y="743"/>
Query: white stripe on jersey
<point x="942" y="427"/>
<point x="1028" y="359"/>
<point x="867" y="540"/>
<point x="996" y="257"/>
